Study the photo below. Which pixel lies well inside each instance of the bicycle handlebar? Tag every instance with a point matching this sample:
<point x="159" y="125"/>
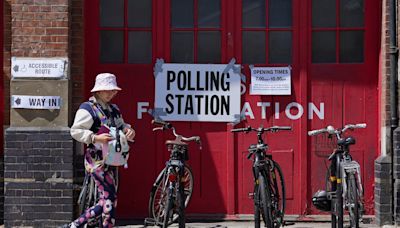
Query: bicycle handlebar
<point x="165" y="125"/>
<point x="271" y="129"/>
<point x="331" y="130"/>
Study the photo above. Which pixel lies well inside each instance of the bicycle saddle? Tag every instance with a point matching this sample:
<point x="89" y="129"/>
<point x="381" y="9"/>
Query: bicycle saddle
<point x="346" y="141"/>
<point x="175" y="142"/>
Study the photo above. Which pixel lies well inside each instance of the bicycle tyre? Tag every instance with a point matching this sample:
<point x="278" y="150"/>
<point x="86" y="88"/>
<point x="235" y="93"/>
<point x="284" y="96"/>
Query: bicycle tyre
<point x="352" y="200"/>
<point x="265" y="202"/>
<point x="278" y="197"/>
<point x="257" y="203"/>
<point x="83" y="195"/>
<point x="339" y="206"/>
<point x="157" y="204"/>
<point x="181" y="206"/>
<point x="168" y="209"/>
<point x="93" y="198"/>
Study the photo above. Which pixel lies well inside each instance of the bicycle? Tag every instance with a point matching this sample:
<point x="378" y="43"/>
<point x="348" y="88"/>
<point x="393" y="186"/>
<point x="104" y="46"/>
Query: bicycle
<point x="346" y="191"/>
<point x="172" y="189"/>
<point x="269" y="197"/>
<point x="89" y="196"/>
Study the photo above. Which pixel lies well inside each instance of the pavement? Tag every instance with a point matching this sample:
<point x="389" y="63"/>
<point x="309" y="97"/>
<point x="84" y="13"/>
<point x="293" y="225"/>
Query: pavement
<point x="245" y="224"/>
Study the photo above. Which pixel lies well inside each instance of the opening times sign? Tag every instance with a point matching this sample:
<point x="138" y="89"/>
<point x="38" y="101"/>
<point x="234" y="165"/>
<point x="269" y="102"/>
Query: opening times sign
<point x="270" y="81"/>
<point x="197" y="92"/>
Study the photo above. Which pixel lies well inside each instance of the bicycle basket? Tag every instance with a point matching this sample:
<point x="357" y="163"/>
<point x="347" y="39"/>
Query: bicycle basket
<point x="323" y="145"/>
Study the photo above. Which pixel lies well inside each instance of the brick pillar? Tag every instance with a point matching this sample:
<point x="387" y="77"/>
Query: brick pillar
<point x="38" y="157"/>
<point x="383" y="191"/>
<point x="38" y="177"/>
<point x="396" y="174"/>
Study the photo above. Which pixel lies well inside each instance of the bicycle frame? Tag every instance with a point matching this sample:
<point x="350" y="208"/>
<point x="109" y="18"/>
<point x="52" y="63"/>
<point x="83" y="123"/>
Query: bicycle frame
<point x="174" y="172"/>
<point x="261" y="160"/>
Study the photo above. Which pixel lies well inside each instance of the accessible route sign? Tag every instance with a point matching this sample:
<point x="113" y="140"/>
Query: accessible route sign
<point x="38" y="67"/>
<point x="197" y="92"/>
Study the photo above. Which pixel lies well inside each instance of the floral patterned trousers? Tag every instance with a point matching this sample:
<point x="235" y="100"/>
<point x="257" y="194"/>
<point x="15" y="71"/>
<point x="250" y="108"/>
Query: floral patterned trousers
<point x="104" y="179"/>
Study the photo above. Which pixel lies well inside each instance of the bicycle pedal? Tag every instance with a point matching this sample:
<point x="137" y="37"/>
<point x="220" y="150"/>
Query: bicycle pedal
<point x="287" y="223"/>
<point x="150" y="222"/>
<point x="251" y="195"/>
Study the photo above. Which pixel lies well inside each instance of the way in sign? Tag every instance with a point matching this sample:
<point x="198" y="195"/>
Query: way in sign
<point x="43" y="102"/>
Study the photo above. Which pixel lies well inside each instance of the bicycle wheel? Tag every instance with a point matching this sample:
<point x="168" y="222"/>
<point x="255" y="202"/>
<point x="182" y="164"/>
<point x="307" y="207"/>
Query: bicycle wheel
<point x="157" y="200"/>
<point x="278" y="195"/>
<point x="352" y="201"/>
<point x="265" y="201"/>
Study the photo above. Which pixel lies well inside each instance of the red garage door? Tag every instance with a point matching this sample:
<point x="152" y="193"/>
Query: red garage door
<point x="331" y="47"/>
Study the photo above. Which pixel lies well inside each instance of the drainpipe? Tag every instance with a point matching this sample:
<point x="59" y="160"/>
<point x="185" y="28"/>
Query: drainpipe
<point x="394" y="119"/>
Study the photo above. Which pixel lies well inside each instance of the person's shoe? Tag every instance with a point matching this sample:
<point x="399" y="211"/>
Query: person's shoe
<point x="66" y="226"/>
<point x="69" y="225"/>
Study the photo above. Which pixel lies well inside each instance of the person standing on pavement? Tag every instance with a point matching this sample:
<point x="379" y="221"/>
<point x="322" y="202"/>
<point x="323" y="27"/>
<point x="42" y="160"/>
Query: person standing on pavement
<point x="88" y="128"/>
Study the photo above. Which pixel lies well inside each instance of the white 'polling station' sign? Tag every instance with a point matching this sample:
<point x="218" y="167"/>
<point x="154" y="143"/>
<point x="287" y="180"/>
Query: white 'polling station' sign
<point x="35" y="102"/>
<point x="270" y="81"/>
<point x="38" y="67"/>
<point x="197" y="92"/>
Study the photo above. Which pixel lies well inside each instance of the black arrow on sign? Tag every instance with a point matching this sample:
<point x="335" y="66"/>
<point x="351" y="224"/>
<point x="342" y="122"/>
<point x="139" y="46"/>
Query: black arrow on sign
<point x="15" y="68"/>
<point x="18" y="101"/>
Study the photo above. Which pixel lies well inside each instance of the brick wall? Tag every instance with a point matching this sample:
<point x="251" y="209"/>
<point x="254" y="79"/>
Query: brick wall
<point x="40" y="28"/>
<point x="38" y="175"/>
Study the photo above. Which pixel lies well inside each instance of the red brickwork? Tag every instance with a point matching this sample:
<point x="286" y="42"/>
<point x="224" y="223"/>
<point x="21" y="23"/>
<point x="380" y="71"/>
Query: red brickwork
<point x="7" y="61"/>
<point x="40" y="28"/>
<point x="77" y="54"/>
<point x="385" y="67"/>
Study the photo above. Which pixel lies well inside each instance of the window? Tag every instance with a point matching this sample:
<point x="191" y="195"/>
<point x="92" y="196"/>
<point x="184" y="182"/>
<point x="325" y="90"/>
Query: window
<point x="195" y="31"/>
<point x="125" y="31"/>
<point x="338" y="31"/>
<point x="267" y="31"/>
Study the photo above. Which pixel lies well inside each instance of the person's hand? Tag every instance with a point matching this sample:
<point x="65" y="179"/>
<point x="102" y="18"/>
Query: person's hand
<point x="129" y="133"/>
<point x="103" y="138"/>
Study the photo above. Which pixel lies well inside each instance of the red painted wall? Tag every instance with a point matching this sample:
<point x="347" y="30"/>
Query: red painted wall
<point x="222" y="173"/>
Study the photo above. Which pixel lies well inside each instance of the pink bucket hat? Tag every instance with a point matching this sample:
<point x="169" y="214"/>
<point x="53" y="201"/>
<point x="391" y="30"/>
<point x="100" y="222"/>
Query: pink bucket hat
<point x="105" y="81"/>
